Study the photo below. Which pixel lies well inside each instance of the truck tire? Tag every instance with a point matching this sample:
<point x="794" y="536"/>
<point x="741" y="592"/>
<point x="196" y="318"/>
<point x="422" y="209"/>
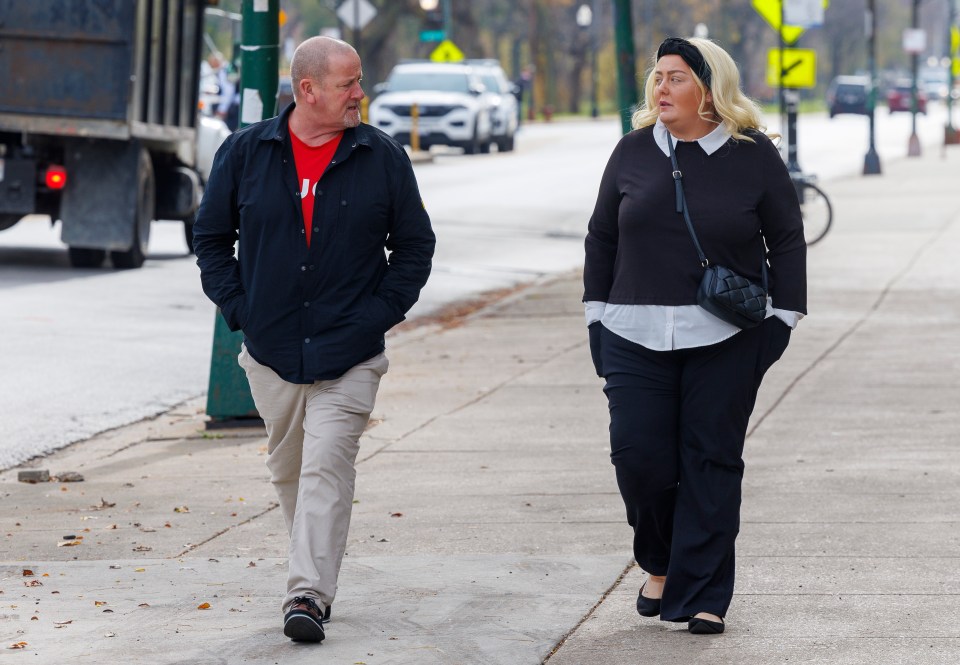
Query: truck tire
<point x="82" y="257"/>
<point x="143" y="217"/>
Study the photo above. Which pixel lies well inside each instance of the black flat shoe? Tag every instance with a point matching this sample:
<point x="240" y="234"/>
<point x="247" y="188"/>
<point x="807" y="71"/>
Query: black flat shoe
<point x="647" y="607"/>
<point x="705" y="626"/>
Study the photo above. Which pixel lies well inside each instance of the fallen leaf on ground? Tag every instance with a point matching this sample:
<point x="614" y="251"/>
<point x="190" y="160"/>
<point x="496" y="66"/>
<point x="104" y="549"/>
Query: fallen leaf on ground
<point x="144" y="605"/>
<point x="69" y="543"/>
<point x="181" y="509"/>
<point x="251" y="565"/>
<point x="109" y="634"/>
<point x="61" y="624"/>
<point x="99" y="603"/>
<point x="104" y="504"/>
<point x="142" y="548"/>
<point x="34" y="618"/>
<point x="203" y="606"/>
<point x="33" y="583"/>
<point x="139" y="570"/>
<point x="396" y="514"/>
<point x="27" y="572"/>
<point x="17" y="645"/>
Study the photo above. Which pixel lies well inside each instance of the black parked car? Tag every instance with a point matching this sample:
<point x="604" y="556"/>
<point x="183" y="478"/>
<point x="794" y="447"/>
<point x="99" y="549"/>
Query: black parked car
<point x="848" y="94"/>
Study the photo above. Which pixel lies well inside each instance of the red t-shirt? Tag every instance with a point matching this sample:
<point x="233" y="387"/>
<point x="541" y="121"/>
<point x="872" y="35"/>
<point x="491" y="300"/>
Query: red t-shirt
<point x="310" y="163"/>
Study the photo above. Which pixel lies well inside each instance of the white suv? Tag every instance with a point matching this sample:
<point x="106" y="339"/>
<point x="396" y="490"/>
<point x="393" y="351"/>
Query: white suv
<point x="503" y="100"/>
<point x="453" y="109"/>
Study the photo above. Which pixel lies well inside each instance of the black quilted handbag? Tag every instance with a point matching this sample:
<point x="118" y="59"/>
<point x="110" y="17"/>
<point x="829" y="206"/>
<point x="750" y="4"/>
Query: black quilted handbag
<point x="722" y="292"/>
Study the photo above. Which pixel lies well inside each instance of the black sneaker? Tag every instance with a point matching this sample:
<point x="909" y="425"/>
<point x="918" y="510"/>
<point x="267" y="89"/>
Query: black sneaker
<point x="304" y="621"/>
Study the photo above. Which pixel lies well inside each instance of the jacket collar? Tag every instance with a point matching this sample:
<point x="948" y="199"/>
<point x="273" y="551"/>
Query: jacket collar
<point x="278" y="129"/>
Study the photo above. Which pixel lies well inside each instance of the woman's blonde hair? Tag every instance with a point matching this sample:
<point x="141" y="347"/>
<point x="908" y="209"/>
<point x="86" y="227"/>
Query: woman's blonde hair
<point x="734" y="109"/>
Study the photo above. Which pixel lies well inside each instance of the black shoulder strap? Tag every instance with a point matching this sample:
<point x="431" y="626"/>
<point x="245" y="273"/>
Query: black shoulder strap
<point x="682" y="208"/>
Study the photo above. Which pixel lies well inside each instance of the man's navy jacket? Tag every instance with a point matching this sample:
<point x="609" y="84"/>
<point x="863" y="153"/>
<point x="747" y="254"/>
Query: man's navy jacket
<point x="312" y="313"/>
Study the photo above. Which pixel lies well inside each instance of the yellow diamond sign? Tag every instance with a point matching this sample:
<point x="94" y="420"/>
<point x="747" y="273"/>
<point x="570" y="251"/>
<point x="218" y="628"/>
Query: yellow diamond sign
<point x="447" y="51"/>
<point x="772" y="11"/>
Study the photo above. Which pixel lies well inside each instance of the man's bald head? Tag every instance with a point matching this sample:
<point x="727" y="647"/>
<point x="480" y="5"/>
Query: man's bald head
<point x="312" y="57"/>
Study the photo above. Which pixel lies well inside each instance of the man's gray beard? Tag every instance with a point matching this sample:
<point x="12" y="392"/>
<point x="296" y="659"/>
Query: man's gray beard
<point x="352" y="119"/>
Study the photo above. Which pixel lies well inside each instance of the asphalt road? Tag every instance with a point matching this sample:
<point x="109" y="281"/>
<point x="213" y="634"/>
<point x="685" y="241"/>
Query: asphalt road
<point x="84" y="351"/>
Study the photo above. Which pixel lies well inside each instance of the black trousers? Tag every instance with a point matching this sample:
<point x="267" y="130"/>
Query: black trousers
<point x="678" y="420"/>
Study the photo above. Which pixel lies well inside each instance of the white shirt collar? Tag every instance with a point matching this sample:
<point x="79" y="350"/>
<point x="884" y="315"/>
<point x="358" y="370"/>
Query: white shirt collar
<point x="710" y="143"/>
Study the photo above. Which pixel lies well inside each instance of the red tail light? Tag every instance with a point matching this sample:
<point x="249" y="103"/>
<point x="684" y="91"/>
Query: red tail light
<point x="56" y="177"/>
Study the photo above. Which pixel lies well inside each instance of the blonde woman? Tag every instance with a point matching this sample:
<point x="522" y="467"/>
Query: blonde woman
<point x="681" y="384"/>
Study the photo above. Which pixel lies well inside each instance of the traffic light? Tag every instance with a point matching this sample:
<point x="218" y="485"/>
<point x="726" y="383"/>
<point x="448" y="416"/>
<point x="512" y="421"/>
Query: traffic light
<point x="433" y="28"/>
<point x="433" y="19"/>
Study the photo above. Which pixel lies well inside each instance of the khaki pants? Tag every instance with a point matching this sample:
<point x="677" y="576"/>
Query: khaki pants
<point x="313" y="436"/>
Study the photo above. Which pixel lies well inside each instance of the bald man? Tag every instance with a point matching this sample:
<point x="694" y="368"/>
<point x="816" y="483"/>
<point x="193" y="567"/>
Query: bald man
<point x="334" y="247"/>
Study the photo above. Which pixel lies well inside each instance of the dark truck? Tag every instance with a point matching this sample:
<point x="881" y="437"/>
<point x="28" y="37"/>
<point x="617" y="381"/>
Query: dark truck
<point x="99" y="121"/>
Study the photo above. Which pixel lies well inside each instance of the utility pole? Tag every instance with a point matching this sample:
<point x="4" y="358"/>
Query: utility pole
<point x="871" y="162"/>
<point x="228" y="396"/>
<point x="627" y="96"/>
<point x="913" y="147"/>
<point x="950" y="133"/>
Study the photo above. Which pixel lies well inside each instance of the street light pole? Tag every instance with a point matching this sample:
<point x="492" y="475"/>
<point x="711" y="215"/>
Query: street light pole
<point x="594" y="44"/>
<point x="585" y="21"/>
<point x="950" y="133"/>
<point x="627" y="94"/>
<point x="913" y="147"/>
<point x="871" y="162"/>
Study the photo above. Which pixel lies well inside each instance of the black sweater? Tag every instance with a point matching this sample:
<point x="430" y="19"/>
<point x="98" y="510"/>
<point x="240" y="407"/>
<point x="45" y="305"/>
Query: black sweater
<point x="638" y="249"/>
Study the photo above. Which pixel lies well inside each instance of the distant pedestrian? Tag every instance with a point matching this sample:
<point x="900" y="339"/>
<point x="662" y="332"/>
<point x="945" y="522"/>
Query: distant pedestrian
<point x="334" y="247"/>
<point x="680" y="382"/>
<point x="228" y="94"/>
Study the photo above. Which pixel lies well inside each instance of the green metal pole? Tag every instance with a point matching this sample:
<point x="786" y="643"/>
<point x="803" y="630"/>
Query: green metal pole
<point x="228" y="395"/>
<point x="627" y="95"/>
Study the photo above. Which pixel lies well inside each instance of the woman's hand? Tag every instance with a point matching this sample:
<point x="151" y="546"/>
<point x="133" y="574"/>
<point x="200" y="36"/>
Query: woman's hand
<point x="595" y="329"/>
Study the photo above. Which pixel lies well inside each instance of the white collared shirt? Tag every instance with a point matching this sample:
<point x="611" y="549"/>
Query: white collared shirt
<point x="664" y="327"/>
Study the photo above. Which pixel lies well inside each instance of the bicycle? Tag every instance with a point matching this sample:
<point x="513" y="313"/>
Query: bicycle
<point x="815" y="207"/>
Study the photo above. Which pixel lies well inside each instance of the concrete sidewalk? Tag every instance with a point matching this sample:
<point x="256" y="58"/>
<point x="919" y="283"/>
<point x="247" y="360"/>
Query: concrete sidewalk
<point x="487" y="526"/>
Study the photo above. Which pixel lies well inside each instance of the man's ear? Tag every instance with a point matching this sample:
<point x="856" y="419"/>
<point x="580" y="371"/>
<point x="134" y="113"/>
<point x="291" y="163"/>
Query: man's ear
<point x="306" y="88"/>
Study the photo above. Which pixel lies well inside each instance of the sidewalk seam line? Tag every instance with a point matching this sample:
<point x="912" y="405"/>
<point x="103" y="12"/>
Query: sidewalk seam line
<point x="878" y="302"/>
<point x="590" y="613"/>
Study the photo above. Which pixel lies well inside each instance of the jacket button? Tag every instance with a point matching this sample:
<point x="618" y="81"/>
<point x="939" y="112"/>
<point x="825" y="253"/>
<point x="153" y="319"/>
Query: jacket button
<point x="319" y="192"/>
<point x="354" y="145"/>
<point x="344" y="202"/>
<point x="306" y="304"/>
<point x="306" y="341"/>
<point x="316" y="229"/>
<point x="303" y="268"/>
<point x="333" y="161"/>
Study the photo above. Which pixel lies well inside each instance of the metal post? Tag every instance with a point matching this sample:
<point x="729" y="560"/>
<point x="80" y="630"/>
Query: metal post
<point x="792" y="101"/>
<point x="780" y="46"/>
<point x="950" y="133"/>
<point x="594" y="44"/>
<point x="913" y="147"/>
<point x="448" y="19"/>
<point x="627" y="95"/>
<point x="356" y="27"/>
<point x="228" y="395"/>
<point x="871" y="162"/>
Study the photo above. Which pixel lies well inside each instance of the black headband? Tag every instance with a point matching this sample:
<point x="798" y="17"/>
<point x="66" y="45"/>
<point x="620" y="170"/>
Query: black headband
<point x="690" y="54"/>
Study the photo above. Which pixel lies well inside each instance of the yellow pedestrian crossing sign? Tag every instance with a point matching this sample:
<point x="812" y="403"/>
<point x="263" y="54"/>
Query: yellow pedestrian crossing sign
<point x="772" y="10"/>
<point x="447" y="51"/>
<point x="799" y="68"/>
